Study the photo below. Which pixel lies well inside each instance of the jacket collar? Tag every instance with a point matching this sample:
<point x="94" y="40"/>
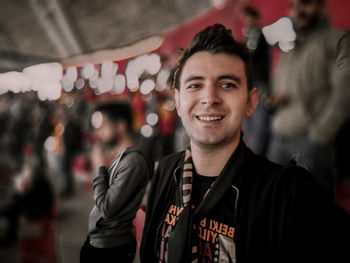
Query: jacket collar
<point x="230" y="175"/>
<point x="233" y="170"/>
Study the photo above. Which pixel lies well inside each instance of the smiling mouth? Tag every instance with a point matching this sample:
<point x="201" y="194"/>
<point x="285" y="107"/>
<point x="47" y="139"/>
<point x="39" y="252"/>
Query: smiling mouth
<point x="209" y="119"/>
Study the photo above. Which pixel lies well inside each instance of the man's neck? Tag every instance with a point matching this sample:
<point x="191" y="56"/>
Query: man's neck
<point x="211" y="161"/>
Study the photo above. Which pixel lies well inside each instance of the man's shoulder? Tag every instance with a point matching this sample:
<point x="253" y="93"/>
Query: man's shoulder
<point x="137" y="151"/>
<point x="273" y="171"/>
<point x="259" y="162"/>
<point x="290" y="175"/>
<point x="171" y="159"/>
<point x="134" y="148"/>
<point x="134" y="155"/>
<point x="328" y="37"/>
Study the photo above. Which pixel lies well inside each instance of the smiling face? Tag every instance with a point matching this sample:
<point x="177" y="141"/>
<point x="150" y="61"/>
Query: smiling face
<point x="213" y="99"/>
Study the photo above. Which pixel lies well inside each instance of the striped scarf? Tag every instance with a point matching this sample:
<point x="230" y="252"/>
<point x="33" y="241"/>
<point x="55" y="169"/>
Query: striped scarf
<point x="187" y="178"/>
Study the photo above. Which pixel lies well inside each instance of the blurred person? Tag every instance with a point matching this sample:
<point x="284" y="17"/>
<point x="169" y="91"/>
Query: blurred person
<point x="41" y="128"/>
<point x="342" y="140"/>
<point x="177" y="139"/>
<point x="19" y="127"/>
<point x="7" y="160"/>
<point x="217" y="201"/>
<point x="122" y="172"/>
<point x="37" y="203"/>
<point x="31" y="213"/>
<point x="308" y="95"/>
<point x="166" y="125"/>
<point x="73" y="144"/>
<point x="55" y="151"/>
<point x="256" y="127"/>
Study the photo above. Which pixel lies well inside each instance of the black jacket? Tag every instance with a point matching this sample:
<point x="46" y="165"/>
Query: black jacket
<point x="280" y="214"/>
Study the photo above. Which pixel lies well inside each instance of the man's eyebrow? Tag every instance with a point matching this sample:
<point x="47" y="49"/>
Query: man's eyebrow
<point x="232" y="77"/>
<point x="191" y="78"/>
<point x="229" y="76"/>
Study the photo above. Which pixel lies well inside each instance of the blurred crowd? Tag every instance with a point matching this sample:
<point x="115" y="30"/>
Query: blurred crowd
<point x="46" y="148"/>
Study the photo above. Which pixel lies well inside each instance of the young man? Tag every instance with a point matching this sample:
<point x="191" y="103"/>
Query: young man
<point x="122" y="174"/>
<point x="218" y="201"/>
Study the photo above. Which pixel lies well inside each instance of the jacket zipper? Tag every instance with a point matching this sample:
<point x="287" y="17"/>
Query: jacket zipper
<point x="163" y="216"/>
<point x="236" y="202"/>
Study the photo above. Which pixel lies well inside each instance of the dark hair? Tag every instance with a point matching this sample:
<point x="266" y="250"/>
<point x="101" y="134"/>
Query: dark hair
<point x="321" y="3"/>
<point x="170" y="79"/>
<point x="305" y="2"/>
<point x="116" y="111"/>
<point x="216" y="39"/>
<point x="251" y="11"/>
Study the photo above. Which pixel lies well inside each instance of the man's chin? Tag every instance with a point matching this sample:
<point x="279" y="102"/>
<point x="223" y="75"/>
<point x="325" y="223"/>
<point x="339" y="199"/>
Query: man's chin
<point x="208" y="143"/>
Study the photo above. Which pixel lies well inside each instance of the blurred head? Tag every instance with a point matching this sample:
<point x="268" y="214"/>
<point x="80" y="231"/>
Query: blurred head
<point x="216" y="39"/>
<point x="251" y="16"/>
<point x="306" y="13"/>
<point x="112" y="122"/>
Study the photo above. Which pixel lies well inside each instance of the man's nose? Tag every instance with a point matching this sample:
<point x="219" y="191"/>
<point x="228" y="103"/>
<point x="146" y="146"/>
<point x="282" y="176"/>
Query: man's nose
<point x="210" y="96"/>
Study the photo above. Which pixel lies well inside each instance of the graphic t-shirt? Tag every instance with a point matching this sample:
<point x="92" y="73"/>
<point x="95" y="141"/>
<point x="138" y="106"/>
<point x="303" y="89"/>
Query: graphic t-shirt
<point x="212" y="239"/>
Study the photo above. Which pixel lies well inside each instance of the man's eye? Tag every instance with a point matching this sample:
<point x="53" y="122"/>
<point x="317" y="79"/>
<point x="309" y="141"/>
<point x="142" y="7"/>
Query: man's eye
<point x="229" y="85"/>
<point x="193" y="86"/>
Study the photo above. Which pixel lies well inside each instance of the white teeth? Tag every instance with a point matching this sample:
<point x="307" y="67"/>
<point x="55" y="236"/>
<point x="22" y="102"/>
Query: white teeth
<point x="210" y="118"/>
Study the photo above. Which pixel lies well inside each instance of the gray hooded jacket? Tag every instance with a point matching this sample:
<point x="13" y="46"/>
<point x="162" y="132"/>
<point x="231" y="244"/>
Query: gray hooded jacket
<point x="118" y="193"/>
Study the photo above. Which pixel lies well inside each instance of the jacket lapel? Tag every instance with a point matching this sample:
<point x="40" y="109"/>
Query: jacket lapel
<point x="232" y="171"/>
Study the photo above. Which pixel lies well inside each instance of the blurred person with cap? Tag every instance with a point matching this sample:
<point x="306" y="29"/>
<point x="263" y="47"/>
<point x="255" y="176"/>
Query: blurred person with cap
<point x="122" y="172"/>
<point x="308" y="95"/>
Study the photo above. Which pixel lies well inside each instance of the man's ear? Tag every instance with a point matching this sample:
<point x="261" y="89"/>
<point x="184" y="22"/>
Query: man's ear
<point x="253" y="99"/>
<point x="177" y="101"/>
